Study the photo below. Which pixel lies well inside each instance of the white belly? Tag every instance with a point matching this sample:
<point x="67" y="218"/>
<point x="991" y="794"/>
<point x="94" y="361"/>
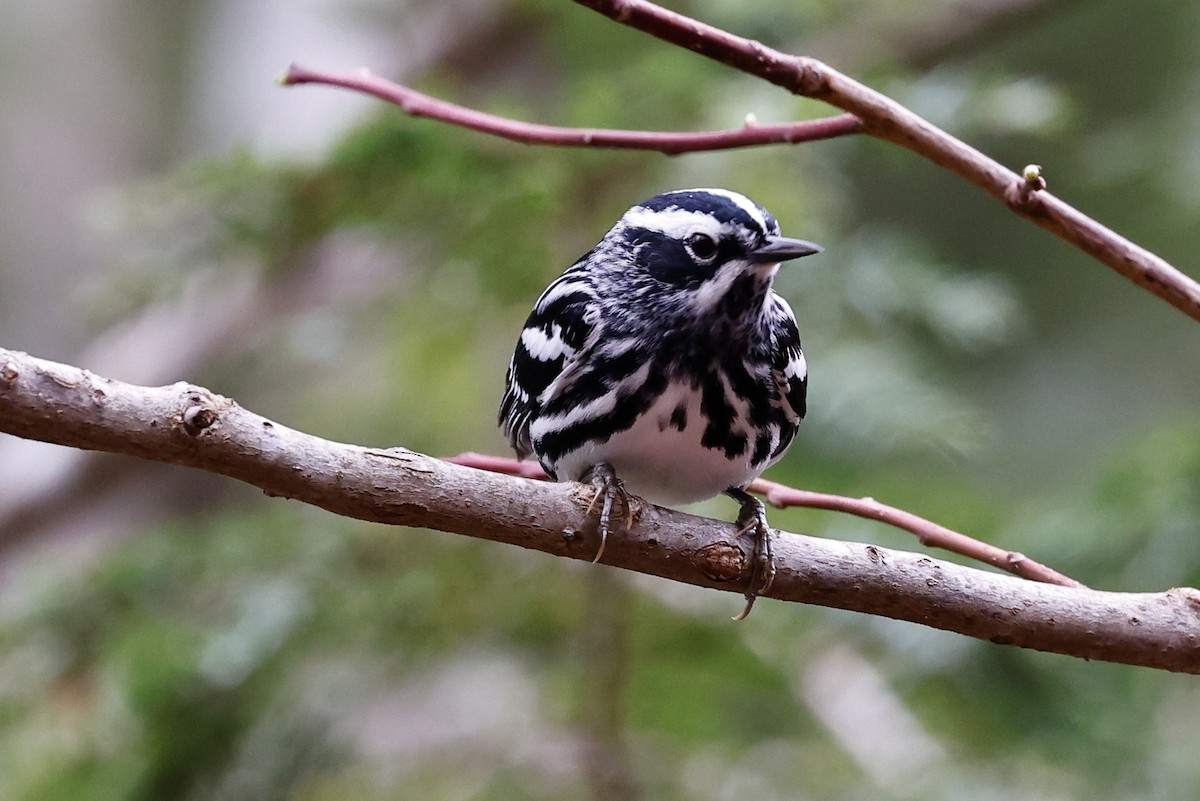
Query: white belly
<point x="662" y="464"/>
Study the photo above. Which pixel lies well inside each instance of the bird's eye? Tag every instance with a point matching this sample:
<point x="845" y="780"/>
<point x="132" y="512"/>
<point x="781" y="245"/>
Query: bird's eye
<point x="702" y="246"/>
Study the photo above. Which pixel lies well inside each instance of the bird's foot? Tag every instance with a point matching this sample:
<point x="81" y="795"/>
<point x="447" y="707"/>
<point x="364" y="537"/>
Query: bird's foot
<point x="608" y="489"/>
<point x="752" y="519"/>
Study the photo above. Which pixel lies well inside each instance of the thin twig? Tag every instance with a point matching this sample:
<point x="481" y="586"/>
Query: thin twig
<point x="525" y="468"/>
<point x="930" y="534"/>
<point x="781" y="496"/>
<point x="416" y="104"/>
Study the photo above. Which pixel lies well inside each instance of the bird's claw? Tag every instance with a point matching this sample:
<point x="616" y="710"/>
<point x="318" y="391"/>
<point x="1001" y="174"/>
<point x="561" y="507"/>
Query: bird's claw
<point x="753" y="519"/>
<point x="608" y="489"/>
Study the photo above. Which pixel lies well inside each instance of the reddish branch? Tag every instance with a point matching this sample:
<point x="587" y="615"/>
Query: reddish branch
<point x="781" y="496"/>
<point x="869" y="112"/>
<point x="672" y="143"/>
<point x="188" y="425"/>
<point x="886" y="119"/>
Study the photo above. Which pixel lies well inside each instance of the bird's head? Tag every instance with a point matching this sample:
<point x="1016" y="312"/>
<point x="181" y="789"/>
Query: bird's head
<point x="703" y="251"/>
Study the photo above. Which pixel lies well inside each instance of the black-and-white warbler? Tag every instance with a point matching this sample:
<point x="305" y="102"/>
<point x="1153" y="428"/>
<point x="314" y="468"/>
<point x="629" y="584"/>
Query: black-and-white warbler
<point x="663" y="363"/>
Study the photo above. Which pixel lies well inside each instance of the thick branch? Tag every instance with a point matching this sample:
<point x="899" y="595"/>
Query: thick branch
<point x="671" y="143"/>
<point x="886" y="119"/>
<point x="188" y="425"/>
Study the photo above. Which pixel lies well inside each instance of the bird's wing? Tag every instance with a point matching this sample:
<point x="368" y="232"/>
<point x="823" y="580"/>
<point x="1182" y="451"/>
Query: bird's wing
<point x="557" y="330"/>
<point x="787" y="359"/>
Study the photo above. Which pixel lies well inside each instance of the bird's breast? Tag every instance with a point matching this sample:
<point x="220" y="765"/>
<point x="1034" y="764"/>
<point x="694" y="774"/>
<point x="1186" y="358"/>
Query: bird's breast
<point x="677" y="451"/>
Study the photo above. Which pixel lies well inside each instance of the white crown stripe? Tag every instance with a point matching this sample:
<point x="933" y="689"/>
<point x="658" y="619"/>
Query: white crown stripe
<point x="752" y="209"/>
<point x="675" y="223"/>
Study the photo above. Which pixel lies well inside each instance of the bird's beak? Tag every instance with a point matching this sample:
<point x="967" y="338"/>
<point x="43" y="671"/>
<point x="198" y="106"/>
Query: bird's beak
<point x="783" y="248"/>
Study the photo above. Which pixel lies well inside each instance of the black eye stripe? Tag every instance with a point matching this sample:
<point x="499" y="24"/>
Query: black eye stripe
<point x="665" y="258"/>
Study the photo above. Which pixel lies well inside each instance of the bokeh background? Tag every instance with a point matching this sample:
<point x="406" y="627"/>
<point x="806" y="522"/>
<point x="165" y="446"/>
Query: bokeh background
<point x="169" y="213"/>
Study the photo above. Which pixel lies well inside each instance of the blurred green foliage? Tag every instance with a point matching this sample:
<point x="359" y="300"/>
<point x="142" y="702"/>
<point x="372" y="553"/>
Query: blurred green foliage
<point x="964" y="366"/>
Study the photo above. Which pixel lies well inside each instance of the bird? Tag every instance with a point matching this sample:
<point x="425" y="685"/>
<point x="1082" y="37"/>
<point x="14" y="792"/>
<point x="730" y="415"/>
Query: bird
<point x="662" y="363"/>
